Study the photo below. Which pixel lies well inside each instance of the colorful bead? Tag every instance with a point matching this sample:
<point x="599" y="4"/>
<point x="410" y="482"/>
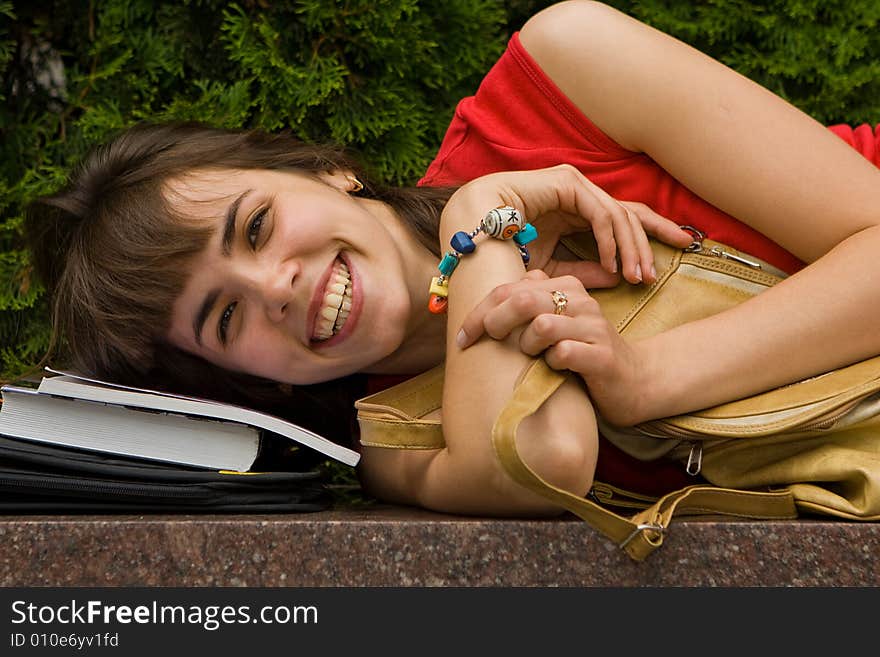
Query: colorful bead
<point x="502" y="223"/>
<point x="526" y="235"/>
<point x="437" y="304"/>
<point x="439" y="286"/>
<point x="462" y="242"/>
<point x="448" y="264"/>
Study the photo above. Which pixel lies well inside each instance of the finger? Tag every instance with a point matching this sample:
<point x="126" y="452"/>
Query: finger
<point x="656" y="225"/>
<point x="574" y="355"/>
<point x="603" y="213"/>
<point x="628" y="247"/>
<point x="547" y="330"/>
<point x="604" y="234"/>
<point x="520" y="309"/>
<point x="590" y="274"/>
<point x="645" y="269"/>
<point x="609" y="222"/>
<point x="473" y="325"/>
<point x="536" y="275"/>
<point x="613" y="233"/>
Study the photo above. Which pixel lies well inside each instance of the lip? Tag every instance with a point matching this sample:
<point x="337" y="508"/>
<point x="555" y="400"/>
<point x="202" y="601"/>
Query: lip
<point x="318" y="300"/>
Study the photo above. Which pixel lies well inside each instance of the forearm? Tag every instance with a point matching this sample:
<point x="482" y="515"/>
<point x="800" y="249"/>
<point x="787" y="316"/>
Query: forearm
<point x="823" y="317"/>
<point x="481" y="379"/>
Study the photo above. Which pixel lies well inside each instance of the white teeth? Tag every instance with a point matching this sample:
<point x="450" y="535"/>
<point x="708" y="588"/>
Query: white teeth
<point x="336" y="303"/>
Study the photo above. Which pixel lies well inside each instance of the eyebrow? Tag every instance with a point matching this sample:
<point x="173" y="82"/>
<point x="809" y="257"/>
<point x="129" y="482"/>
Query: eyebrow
<point x="202" y="316"/>
<point x="225" y="249"/>
<point x="229" y="225"/>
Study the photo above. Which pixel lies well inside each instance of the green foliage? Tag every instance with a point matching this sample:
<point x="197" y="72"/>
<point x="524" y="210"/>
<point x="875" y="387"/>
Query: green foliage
<point x="820" y="56"/>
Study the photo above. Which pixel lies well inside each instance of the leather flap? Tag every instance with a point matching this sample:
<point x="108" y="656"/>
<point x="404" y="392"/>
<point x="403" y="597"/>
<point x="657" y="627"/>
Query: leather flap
<point x="409" y="400"/>
<point x="394" y="417"/>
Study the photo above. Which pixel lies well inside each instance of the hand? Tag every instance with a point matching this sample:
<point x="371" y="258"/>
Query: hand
<point x="560" y="201"/>
<point x="635" y="255"/>
<point x="580" y="339"/>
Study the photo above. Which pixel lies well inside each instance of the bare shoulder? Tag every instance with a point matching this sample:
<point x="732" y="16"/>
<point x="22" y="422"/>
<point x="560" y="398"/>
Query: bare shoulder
<point x="574" y="28"/>
<point x="581" y="46"/>
<point x="561" y="16"/>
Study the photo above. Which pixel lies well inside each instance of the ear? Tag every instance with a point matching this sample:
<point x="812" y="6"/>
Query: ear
<point x="343" y="180"/>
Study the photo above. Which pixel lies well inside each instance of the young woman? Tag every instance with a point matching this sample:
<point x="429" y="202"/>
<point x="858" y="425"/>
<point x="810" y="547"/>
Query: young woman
<point x="188" y="252"/>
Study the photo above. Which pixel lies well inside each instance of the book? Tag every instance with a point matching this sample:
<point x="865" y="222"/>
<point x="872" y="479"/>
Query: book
<point x="71" y="410"/>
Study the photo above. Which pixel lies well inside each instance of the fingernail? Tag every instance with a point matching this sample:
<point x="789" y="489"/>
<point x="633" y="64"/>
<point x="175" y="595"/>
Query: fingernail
<point x="653" y="272"/>
<point x="639" y="272"/>
<point x="461" y="339"/>
<point x="614" y="266"/>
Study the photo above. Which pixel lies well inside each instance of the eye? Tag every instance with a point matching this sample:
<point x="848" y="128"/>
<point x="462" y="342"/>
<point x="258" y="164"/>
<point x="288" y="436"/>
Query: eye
<point x="223" y="324"/>
<point x="255" y="226"/>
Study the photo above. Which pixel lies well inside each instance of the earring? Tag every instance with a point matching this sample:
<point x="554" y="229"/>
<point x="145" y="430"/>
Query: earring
<point x="356" y="185"/>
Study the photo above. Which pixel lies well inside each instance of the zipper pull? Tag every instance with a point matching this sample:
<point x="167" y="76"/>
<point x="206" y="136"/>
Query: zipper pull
<point x="720" y="253"/>
<point x="697" y="247"/>
<point x="695" y="459"/>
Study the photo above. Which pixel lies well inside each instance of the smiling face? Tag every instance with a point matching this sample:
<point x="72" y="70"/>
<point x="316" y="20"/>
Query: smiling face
<point x="300" y="282"/>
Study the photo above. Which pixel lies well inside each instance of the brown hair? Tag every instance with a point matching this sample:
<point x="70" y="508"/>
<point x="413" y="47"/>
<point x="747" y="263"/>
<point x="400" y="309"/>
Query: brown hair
<point x="113" y="253"/>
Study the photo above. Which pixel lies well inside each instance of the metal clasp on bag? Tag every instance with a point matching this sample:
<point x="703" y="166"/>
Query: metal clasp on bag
<point x="697" y="245"/>
<point x="660" y="529"/>
<point x="695" y="459"/>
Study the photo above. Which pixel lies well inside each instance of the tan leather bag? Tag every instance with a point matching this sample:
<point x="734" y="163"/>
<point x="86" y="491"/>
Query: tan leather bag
<point x="812" y="447"/>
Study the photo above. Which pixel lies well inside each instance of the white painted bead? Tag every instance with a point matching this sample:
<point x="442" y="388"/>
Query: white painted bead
<point x="502" y="223"/>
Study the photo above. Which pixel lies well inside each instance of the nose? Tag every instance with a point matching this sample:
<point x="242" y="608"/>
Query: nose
<point x="275" y="286"/>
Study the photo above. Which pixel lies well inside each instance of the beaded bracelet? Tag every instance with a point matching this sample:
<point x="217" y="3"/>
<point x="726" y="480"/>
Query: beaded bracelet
<point x="502" y="223"/>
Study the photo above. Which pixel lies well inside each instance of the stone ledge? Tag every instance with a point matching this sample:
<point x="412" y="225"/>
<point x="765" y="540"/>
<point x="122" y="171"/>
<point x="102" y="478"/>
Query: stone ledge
<point x="394" y="546"/>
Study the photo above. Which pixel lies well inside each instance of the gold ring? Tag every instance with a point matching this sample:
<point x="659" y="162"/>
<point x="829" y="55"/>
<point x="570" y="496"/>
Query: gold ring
<point x="560" y="300"/>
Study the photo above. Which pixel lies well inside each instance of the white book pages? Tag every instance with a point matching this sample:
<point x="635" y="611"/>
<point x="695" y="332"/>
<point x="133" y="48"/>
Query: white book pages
<point x="71" y="385"/>
<point x="168" y="437"/>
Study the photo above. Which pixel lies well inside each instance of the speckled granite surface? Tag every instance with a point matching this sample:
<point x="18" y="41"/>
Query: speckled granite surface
<point x="388" y="546"/>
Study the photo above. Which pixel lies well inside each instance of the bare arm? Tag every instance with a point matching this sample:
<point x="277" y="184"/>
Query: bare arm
<point x="759" y="159"/>
<point x="559" y="441"/>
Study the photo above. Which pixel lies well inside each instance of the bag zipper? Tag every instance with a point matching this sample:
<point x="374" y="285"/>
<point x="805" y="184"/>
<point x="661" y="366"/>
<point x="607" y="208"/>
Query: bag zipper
<point x="695" y="456"/>
<point x="831" y="420"/>
<point x="661" y="429"/>
<point x="105" y="487"/>
<point x="716" y="251"/>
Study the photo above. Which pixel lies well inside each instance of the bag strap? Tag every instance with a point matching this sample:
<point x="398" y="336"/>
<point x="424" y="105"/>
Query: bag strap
<point x="643" y="533"/>
<point x="394" y="418"/>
